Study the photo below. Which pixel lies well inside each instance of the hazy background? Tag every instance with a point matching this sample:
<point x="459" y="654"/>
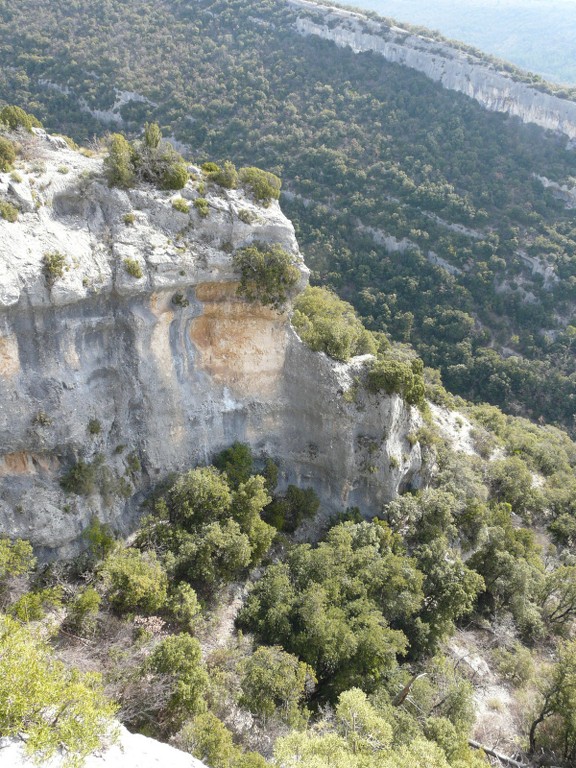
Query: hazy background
<point x="538" y="35"/>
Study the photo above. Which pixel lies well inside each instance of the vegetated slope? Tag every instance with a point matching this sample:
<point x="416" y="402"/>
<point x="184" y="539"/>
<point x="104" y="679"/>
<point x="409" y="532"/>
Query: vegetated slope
<point x="342" y="611"/>
<point x="361" y="619"/>
<point x="534" y="34"/>
<point x="480" y="256"/>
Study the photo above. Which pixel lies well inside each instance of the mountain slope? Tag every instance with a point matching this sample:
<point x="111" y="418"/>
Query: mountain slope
<point x="537" y="35"/>
<point x="445" y="225"/>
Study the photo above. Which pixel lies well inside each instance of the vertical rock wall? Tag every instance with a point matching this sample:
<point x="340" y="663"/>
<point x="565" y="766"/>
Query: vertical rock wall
<point x="139" y="377"/>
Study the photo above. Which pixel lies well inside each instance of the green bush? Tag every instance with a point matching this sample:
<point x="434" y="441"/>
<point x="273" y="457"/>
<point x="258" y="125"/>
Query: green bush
<point x="207" y="738"/>
<point x="515" y="665"/>
<point x="328" y="324"/>
<point x="236" y="462"/>
<point x="179" y="300"/>
<point x="180" y="205"/>
<point x="94" y="427"/>
<point x="8" y="211"/>
<point x="54" y="266"/>
<point x="150" y="159"/>
<point x="265" y="186"/>
<point x="201" y="205"/>
<point x="119" y="164"/>
<point x="54" y="706"/>
<point x="199" y="496"/>
<point x="288" y="512"/>
<point x="180" y="657"/>
<point x="99" y="537"/>
<point x="213" y="528"/>
<point x="42" y="419"/>
<point x="33" y="605"/>
<point x="15" y="117"/>
<point x="246" y="216"/>
<point x="7" y="154"/>
<point x="185" y="607"/>
<point x="129" y="218"/>
<point x="134" y="581"/>
<point x="216" y="554"/>
<point x="133" y="268"/>
<point x="174" y="175"/>
<point x="16" y="558"/>
<point x="226" y="177"/>
<point x="563" y="529"/>
<point x="397" y="376"/>
<point x="332" y="605"/>
<point x="276" y="683"/>
<point x="267" y="274"/>
<point x="83" y="612"/>
<point x="81" y="478"/>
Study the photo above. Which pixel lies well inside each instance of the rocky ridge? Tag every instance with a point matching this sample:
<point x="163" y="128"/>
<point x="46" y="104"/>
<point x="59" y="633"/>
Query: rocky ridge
<point x="140" y="360"/>
<point x="454" y="69"/>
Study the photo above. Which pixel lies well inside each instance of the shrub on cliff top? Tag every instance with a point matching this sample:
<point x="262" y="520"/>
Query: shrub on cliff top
<point x="55" y="707"/>
<point x="328" y="324"/>
<point x="149" y="159"/>
<point x="398" y="376"/>
<point x="265" y="186"/>
<point x="119" y="163"/>
<point x="15" y="117"/>
<point x="267" y="274"/>
<point x="226" y="177"/>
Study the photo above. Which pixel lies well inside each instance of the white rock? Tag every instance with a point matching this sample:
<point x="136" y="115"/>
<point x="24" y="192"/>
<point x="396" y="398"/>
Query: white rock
<point x="174" y="365"/>
<point x="132" y="751"/>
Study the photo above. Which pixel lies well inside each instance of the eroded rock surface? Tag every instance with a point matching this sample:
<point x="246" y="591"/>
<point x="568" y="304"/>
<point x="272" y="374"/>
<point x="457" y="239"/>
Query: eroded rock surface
<point x="142" y="376"/>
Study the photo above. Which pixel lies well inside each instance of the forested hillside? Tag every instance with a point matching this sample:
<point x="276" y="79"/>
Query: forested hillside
<point x="245" y="620"/>
<point x="537" y="35"/>
<point x="481" y="275"/>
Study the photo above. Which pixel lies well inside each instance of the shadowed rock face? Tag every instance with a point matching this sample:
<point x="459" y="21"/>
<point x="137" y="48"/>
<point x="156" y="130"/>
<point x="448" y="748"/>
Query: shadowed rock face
<point x="143" y="376"/>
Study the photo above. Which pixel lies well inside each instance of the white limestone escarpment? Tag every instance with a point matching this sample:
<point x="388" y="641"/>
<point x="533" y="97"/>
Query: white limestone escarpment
<point x="140" y="377"/>
<point x="454" y="69"/>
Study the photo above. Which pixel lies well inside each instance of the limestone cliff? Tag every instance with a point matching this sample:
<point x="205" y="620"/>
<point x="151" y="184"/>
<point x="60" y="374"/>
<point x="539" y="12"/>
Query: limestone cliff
<point x="454" y="69"/>
<point x="141" y="376"/>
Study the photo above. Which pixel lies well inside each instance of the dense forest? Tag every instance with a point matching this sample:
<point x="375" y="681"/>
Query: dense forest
<point x="343" y="653"/>
<point x="243" y="622"/>
<point x="251" y="627"/>
<point x="422" y="209"/>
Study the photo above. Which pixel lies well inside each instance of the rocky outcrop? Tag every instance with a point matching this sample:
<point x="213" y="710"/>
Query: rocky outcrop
<point x="132" y="749"/>
<point x="140" y="359"/>
<point x="454" y="69"/>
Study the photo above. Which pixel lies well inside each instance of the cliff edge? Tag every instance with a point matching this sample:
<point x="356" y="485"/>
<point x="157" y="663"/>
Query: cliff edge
<point x="126" y="355"/>
<point x="456" y="70"/>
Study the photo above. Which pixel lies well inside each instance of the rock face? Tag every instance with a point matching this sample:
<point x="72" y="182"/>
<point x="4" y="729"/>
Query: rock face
<point x="132" y="750"/>
<point x="453" y="69"/>
<point x="136" y="377"/>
